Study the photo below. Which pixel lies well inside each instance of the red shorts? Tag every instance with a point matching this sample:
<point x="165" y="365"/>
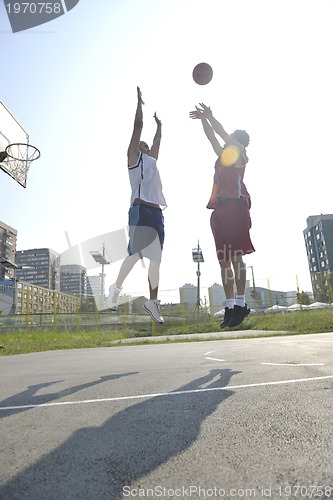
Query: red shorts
<point x="231" y="223"/>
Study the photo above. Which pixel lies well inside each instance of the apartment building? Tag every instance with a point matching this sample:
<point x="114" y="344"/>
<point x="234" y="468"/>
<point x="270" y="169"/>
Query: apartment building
<point x="8" y="236"/>
<point x="318" y="238"/>
<point x="39" y="266"/>
<point x="73" y="279"/>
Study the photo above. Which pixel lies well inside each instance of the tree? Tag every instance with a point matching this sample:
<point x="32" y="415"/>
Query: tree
<point x="303" y="298"/>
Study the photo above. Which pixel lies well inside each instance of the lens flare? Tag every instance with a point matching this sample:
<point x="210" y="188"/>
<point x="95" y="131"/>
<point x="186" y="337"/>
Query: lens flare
<point x="229" y="155"/>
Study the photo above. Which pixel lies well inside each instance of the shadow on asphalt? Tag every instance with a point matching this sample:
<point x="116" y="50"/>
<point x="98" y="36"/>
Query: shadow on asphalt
<point x="28" y="398"/>
<point x="98" y="462"/>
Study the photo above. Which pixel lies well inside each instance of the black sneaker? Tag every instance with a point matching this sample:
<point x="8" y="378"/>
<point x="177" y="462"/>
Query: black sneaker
<point x="227" y="317"/>
<point x="239" y="314"/>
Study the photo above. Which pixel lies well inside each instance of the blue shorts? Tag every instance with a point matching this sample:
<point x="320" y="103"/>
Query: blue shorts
<point x="146" y="231"/>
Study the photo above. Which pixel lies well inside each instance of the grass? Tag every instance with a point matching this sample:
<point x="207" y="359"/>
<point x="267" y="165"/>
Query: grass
<point x="301" y="322"/>
<point x="297" y="322"/>
<point x="22" y="343"/>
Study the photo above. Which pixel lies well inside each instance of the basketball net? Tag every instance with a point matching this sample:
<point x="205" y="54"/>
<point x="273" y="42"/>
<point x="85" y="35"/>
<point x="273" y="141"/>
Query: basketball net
<point x="18" y="160"/>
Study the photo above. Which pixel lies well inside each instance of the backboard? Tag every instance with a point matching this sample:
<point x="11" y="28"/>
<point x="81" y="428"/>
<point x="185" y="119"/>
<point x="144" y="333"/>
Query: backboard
<point x="12" y="132"/>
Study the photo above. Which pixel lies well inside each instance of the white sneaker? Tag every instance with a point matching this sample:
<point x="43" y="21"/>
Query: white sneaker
<point x="113" y="297"/>
<point x="152" y="307"/>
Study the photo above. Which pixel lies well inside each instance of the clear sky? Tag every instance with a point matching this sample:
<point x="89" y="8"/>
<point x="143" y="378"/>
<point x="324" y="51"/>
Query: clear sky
<point x="72" y="84"/>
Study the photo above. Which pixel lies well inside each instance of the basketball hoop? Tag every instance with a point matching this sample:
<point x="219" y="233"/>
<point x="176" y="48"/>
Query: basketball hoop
<point x="18" y="159"/>
<point x="20" y="151"/>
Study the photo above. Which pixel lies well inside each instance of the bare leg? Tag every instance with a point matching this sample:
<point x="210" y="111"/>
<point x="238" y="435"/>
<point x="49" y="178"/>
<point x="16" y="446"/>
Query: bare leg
<point x="228" y="280"/>
<point x="153" y="278"/>
<point x="126" y="268"/>
<point x="240" y="275"/>
<point x="152" y="305"/>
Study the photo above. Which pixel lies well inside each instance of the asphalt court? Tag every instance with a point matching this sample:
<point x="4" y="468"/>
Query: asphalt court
<point x="300" y="359"/>
<point x="106" y="418"/>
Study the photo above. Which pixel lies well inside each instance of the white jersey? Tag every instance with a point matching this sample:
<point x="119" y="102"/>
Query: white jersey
<point x="145" y="181"/>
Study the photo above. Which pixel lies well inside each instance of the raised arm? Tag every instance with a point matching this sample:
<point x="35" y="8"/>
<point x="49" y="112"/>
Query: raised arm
<point x="133" y="148"/>
<point x="209" y="132"/>
<point x="217" y="127"/>
<point x="157" y="138"/>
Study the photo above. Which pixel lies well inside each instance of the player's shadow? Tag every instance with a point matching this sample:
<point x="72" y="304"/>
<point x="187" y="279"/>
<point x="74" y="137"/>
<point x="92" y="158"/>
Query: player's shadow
<point x="29" y="398"/>
<point x="98" y="462"/>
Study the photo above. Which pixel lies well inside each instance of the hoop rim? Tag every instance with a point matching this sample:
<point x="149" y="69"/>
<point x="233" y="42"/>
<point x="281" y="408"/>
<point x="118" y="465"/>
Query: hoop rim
<point x="22" y="159"/>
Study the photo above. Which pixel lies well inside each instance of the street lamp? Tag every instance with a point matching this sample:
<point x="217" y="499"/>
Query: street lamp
<point x="12" y="265"/>
<point x="100" y="259"/>
<point x="198" y="258"/>
<point x="8" y="263"/>
<point x="254" y="288"/>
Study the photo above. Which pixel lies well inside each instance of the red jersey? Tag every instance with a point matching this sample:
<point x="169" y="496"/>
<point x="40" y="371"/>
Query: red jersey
<point x="228" y="182"/>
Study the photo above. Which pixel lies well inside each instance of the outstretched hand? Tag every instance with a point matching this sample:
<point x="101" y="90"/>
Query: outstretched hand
<point x="197" y="114"/>
<point x="200" y="113"/>
<point x="207" y="112"/>
<point x="157" y="120"/>
<point x="139" y="95"/>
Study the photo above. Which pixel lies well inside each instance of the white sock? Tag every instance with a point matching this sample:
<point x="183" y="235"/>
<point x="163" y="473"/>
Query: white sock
<point x="230" y="303"/>
<point x="240" y="300"/>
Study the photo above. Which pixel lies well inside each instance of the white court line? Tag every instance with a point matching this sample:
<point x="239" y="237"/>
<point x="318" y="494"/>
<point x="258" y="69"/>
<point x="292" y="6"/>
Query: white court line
<point x="214" y="359"/>
<point x="175" y="393"/>
<point x="314" y="340"/>
<point x="209" y="352"/>
<point x="293" y="364"/>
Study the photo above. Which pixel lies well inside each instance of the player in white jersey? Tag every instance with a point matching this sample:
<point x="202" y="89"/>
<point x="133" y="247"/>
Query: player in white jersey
<point x="146" y="221"/>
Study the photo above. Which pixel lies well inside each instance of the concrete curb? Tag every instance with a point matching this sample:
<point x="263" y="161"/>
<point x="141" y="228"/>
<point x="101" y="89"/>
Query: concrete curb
<point x="202" y="336"/>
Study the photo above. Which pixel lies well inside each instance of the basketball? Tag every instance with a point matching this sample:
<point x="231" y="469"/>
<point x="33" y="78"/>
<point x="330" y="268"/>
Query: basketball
<point x="202" y="74"/>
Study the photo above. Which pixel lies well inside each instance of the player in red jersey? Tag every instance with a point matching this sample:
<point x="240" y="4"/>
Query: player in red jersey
<point x="230" y="220"/>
